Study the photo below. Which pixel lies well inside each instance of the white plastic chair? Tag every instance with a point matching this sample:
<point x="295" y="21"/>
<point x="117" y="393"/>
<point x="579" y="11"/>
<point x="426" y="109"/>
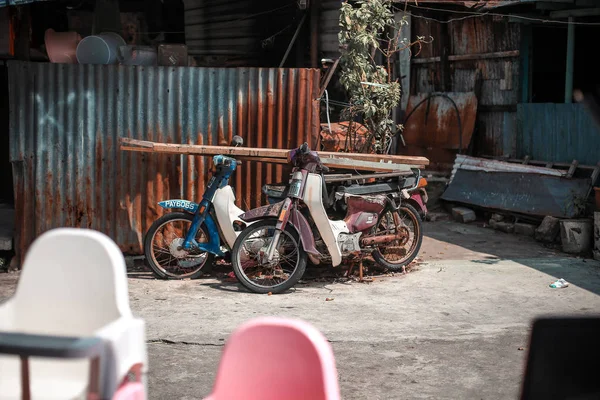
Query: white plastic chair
<point x="73" y="285"/>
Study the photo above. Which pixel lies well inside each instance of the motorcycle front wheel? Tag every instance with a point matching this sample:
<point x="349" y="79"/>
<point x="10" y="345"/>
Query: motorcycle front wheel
<point x="401" y="252"/>
<point x="163" y="251"/>
<point x="250" y="261"/>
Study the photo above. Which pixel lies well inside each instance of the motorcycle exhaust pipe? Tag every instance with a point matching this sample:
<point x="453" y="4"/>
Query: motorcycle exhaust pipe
<point x="371" y="241"/>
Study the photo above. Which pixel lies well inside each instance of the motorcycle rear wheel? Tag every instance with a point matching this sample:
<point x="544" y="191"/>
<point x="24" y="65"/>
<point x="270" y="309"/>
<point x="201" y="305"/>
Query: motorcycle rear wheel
<point x="385" y="255"/>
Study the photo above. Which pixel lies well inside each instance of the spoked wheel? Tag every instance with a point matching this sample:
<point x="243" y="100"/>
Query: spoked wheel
<point x="164" y="252"/>
<point x="398" y="253"/>
<point x="251" y="264"/>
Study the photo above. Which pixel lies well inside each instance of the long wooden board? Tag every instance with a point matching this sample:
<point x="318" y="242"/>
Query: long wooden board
<point x="192" y="149"/>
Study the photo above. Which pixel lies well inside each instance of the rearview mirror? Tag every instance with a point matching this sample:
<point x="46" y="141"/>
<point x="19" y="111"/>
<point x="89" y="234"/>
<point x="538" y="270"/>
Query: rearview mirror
<point x="237" y="141"/>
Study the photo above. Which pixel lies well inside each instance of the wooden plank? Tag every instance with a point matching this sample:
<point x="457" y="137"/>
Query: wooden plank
<point x="153" y="147"/>
<point x="468" y="57"/>
<point x="344" y="178"/>
<point x="539" y="162"/>
<point x="263" y="159"/>
<point x="573" y="168"/>
<point x="579" y="12"/>
<point x="359" y="165"/>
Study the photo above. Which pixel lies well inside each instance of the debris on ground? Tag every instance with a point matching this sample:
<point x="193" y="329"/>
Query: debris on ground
<point x="437" y="216"/>
<point x="506" y="227"/>
<point x="497" y="218"/>
<point x="463" y="214"/>
<point x="548" y="230"/>
<point x="329" y="299"/>
<point x="525" y="229"/>
<point x="559" y="284"/>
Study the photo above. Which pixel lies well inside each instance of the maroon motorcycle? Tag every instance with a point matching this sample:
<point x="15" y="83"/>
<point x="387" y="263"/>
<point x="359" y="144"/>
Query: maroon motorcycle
<point x="271" y="253"/>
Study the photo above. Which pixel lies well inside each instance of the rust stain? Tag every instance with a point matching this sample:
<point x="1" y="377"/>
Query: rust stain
<point x="89" y="182"/>
<point x="436" y="125"/>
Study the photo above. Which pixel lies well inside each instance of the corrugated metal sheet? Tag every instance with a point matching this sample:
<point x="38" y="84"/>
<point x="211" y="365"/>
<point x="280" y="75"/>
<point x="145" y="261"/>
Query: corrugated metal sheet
<point x="478" y="5"/>
<point x="497" y="79"/>
<point x="329" y="28"/>
<point x="233" y="32"/>
<point x="435" y="122"/>
<point x="66" y="120"/>
<point x="432" y="130"/>
<point x="486" y="165"/>
<point x="483" y="35"/>
<point x="496" y="133"/>
<point x="520" y="193"/>
<point x="558" y="133"/>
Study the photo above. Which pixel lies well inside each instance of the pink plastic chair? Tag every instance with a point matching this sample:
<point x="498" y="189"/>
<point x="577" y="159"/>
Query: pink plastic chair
<point x="275" y="358"/>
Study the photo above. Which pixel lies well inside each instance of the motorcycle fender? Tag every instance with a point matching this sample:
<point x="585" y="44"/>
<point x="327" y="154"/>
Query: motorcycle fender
<point x="185" y="205"/>
<point x="268" y="211"/>
<point x="214" y="241"/>
<point x="301" y="224"/>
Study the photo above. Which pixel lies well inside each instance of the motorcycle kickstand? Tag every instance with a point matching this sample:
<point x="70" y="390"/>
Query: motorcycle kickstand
<point x="360" y="270"/>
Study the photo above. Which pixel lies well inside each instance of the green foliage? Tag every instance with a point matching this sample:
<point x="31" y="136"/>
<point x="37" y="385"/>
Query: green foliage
<point x="371" y="91"/>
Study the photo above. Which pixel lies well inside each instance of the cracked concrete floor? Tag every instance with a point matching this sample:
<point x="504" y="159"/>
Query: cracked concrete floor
<point x="451" y="329"/>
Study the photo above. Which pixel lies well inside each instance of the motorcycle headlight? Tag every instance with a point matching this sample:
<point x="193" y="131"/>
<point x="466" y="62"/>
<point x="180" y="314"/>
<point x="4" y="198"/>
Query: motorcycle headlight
<point x="218" y="160"/>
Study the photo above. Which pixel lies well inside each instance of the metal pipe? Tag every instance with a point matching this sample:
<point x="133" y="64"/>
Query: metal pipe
<point x="287" y="52"/>
<point x="380" y="239"/>
<point x="570" y="61"/>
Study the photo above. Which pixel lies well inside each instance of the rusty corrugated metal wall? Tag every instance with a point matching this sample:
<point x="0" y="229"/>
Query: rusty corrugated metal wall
<point x="236" y="33"/>
<point x="491" y="69"/>
<point x="66" y="120"/>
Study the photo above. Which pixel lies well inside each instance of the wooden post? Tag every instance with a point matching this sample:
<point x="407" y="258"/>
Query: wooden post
<point x="404" y="59"/>
<point x="446" y="79"/>
<point x="570" y="61"/>
<point x="315" y="11"/>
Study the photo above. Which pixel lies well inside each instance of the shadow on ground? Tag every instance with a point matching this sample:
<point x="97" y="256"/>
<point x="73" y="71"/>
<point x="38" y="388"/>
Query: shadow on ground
<point x="453" y="241"/>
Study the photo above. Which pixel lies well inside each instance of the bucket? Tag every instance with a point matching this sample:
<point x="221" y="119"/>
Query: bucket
<point x="576" y="235"/>
<point x="136" y="55"/>
<point x="99" y="49"/>
<point x="61" y="46"/>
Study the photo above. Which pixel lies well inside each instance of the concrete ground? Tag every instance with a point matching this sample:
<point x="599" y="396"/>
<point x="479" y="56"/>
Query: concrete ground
<point x="456" y="327"/>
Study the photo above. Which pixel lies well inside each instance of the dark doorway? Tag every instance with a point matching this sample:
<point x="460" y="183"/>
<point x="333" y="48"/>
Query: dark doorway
<point x="549" y="65"/>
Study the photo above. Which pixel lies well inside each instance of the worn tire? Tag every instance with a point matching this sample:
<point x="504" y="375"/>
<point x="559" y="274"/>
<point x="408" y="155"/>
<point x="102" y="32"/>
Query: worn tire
<point x="237" y="267"/>
<point x="380" y="259"/>
<point x="148" y="239"/>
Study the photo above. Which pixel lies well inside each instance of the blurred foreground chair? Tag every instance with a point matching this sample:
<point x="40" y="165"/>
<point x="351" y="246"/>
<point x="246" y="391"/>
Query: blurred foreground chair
<point x="68" y="331"/>
<point x="274" y="358"/>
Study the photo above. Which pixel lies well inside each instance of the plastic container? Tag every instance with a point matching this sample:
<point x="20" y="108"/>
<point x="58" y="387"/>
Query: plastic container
<point x="576" y="235"/>
<point x="99" y="49"/>
<point x="62" y="46"/>
<point x="136" y="55"/>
